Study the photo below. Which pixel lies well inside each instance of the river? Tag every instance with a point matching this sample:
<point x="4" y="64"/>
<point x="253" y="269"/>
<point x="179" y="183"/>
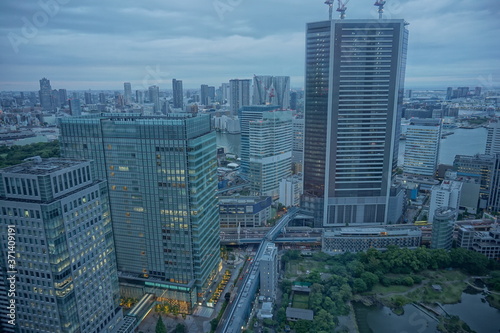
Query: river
<point x="472" y="309"/>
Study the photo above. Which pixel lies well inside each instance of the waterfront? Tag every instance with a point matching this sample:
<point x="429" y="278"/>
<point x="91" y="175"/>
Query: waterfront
<point x="473" y="309"/>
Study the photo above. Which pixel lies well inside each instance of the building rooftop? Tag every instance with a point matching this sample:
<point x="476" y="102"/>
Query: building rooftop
<point x="304" y="314"/>
<point x="387" y="232"/>
<point x="38" y="166"/>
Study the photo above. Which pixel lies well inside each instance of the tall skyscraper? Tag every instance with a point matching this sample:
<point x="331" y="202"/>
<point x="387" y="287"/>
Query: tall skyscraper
<point x="63" y="96"/>
<point x="266" y="147"/>
<point x="75" y="107"/>
<point x="139" y="97"/>
<point x="178" y="93"/>
<point x="162" y="179"/>
<point x="88" y="97"/>
<point x="354" y="92"/>
<point x="493" y="138"/>
<point x="45" y="94"/>
<point x="204" y="94"/>
<point x="239" y="95"/>
<point x="154" y="97"/>
<point x="422" y="147"/>
<point x="274" y="90"/>
<point x="66" y="278"/>
<point x="102" y="98"/>
<point x="127" y="87"/>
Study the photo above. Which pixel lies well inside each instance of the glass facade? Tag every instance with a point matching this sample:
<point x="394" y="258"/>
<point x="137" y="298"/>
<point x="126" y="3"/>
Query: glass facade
<point x="161" y="174"/>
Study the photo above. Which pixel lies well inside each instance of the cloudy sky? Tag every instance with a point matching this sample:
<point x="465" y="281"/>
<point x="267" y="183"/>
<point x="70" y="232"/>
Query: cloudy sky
<point x="101" y="44"/>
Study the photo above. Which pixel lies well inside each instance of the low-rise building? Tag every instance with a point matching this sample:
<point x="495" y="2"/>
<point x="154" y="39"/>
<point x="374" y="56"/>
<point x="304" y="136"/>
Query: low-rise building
<point x="245" y="212"/>
<point x="352" y="239"/>
<point x="485" y="242"/>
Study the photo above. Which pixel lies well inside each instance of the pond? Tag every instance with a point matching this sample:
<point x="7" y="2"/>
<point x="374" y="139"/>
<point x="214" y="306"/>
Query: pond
<point x="472" y="309"/>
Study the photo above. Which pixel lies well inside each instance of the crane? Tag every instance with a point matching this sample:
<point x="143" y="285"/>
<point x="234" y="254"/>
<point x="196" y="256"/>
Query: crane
<point x="342" y="8"/>
<point x="380" y="4"/>
<point x="330" y="7"/>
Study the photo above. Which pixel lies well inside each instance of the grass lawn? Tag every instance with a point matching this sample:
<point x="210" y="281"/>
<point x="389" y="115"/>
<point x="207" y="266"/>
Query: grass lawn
<point x="298" y="267"/>
<point x="300" y="301"/>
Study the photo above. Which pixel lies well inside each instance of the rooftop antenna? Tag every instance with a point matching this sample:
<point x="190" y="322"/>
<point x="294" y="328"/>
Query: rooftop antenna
<point x="330" y="8"/>
<point x="342" y="8"/>
<point x="380" y="4"/>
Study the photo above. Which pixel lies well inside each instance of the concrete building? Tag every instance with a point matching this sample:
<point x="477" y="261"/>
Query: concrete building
<point x="493" y="138"/>
<point x="485" y="242"/>
<point x="66" y="280"/>
<point x="45" y="95"/>
<point x="447" y="194"/>
<point x="178" y="92"/>
<point x="239" y="95"/>
<point x="353" y="102"/>
<point x="266" y="147"/>
<point x="154" y="97"/>
<point x="297" y="144"/>
<point x="269" y="271"/>
<point x="162" y="179"/>
<point x="442" y="228"/>
<point x="127" y="95"/>
<point x="291" y="190"/>
<point x="483" y="168"/>
<point x="422" y="147"/>
<point x="353" y="239"/>
<point x="245" y="212"/>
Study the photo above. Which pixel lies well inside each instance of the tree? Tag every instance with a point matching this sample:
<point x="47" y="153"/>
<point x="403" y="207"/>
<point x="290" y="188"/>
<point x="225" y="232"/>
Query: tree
<point x="370" y="279"/>
<point x="180" y="328"/>
<point x="359" y="285"/>
<point x="213" y="324"/>
<point x="160" y="326"/>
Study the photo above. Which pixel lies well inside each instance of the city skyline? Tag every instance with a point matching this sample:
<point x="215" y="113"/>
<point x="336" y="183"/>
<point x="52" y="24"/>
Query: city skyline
<point x="212" y="42"/>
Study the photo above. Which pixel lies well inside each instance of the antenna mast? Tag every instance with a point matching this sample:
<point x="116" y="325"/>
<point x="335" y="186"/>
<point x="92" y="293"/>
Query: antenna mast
<point x="342" y="8"/>
<point x="380" y="4"/>
<point x="330" y="8"/>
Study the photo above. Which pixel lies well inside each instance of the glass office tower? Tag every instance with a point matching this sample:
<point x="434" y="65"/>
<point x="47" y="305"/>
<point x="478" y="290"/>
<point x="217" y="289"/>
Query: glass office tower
<point x="354" y="92"/>
<point x="162" y="180"/>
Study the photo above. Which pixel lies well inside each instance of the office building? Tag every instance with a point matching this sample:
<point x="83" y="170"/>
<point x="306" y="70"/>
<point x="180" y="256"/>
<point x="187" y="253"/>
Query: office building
<point x="244" y="212"/>
<point x="127" y="88"/>
<point x="204" y="100"/>
<point x="226" y="93"/>
<point x="483" y="168"/>
<point x="266" y="147"/>
<point x="447" y="194"/>
<point x="269" y="271"/>
<point x="154" y="97"/>
<point x="484" y="242"/>
<point x="442" y="228"/>
<point x="162" y="179"/>
<point x="493" y="138"/>
<point x="75" y="107"/>
<point x="494" y="195"/>
<point x="351" y="239"/>
<point x="291" y="190"/>
<point x="239" y="95"/>
<point x="274" y="90"/>
<point x="66" y="278"/>
<point x="88" y="98"/>
<point x="178" y="102"/>
<point x="102" y="98"/>
<point x="63" y="96"/>
<point x="45" y="94"/>
<point x="353" y="97"/>
<point x="422" y="147"/>
<point x="139" y="97"/>
<point x="297" y="144"/>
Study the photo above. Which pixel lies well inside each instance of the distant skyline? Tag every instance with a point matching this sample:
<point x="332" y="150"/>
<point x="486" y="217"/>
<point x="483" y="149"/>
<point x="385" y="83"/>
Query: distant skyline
<point x="100" y="45"/>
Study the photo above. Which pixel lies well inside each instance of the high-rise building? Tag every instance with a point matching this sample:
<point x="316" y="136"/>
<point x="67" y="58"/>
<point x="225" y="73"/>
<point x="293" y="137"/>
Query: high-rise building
<point x="75" y="107"/>
<point x="422" y="147"/>
<point x="63" y="96"/>
<point x="226" y="92"/>
<point x="204" y="94"/>
<point x="449" y="93"/>
<point x="493" y="138"/>
<point x="494" y="195"/>
<point x="178" y="94"/>
<point x="293" y="100"/>
<point x="239" y="95"/>
<point x="353" y="98"/>
<point x="297" y="144"/>
<point x="139" y="97"/>
<point x="88" y="98"/>
<point x="66" y="280"/>
<point x="447" y="194"/>
<point x="162" y="180"/>
<point x="266" y="147"/>
<point x="442" y="228"/>
<point x="154" y="97"/>
<point x="127" y="87"/>
<point x="477" y="91"/>
<point x="274" y="90"/>
<point x="45" y="94"/>
<point x="102" y="98"/>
